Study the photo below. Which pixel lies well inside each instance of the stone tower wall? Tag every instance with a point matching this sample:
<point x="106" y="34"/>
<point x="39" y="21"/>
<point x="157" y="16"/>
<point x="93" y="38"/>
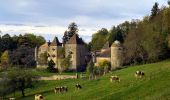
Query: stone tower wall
<point x="116" y="57"/>
<point x="78" y="55"/>
<point x="53" y="52"/>
<point x="73" y="49"/>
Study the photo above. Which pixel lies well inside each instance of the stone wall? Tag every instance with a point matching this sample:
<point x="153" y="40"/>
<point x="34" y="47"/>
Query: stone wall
<point x="78" y="53"/>
<point x="116" y="57"/>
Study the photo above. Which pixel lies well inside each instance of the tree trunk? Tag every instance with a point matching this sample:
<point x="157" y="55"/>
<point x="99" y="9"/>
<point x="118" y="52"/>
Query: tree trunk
<point x="23" y="94"/>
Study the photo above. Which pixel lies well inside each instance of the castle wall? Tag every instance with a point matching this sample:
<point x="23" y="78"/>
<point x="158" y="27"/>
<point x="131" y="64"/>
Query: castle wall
<point x="53" y="52"/>
<point x="78" y="55"/>
<point x="72" y="48"/>
<point x="116" y="57"/>
<point x="101" y="59"/>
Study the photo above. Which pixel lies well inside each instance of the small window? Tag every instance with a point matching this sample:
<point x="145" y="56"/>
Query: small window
<point x="53" y="49"/>
<point x="53" y="56"/>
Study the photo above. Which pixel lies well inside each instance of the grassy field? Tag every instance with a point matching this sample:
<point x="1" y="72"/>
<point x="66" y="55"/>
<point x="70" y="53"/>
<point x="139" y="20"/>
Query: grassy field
<point x="154" y="86"/>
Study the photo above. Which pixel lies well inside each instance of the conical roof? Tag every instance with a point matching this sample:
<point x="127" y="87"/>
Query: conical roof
<point x="55" y="42"/>
<point x="75" y="40"/>
<point x="116" y="44"/>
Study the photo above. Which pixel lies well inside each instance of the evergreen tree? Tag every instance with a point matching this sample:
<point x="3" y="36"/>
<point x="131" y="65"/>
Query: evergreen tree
<point x="51" y="66"/>
<point x="154" y="10"/>
<point x="72" y="29"/>
<point x="65" y="37"/>
<point x="169" y="2"/>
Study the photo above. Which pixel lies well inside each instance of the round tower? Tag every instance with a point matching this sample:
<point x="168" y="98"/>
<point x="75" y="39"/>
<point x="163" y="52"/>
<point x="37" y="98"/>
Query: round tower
<point x="116" y="55"/>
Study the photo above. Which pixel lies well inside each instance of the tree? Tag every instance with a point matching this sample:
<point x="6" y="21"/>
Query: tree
<point x="154" y="10"/>
<point x="20" y="80"/>
<point x="65" y="63"/>
<point x="51" y="66"/>
<point x="65" y="37"/>
<point x="7" y="43"/>
<point x="90" y="70"/>
<point x="72" y="29"/>
<point x="99" y="38"/>
<point x="169" y="2"/>
<point x="105" y="65"/>
<point x="5" y="59"/>
<point x="24" y="56"/>
<point x="5" y="88"/>
<point x="42" y="60"/>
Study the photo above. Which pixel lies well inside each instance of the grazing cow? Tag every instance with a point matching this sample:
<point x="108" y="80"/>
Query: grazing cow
<point x="38" y="97"/>
<point x="139" y="74"/>
<point x="56" y="89"/>
<point x="64" y="89"/>
<point x="60" y="89"/>
<point x="78" y="86"/>
<point x="114" y="78"/>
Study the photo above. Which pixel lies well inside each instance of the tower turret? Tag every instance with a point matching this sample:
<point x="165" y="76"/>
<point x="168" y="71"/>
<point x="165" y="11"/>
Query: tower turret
<point x="116" y="55"/>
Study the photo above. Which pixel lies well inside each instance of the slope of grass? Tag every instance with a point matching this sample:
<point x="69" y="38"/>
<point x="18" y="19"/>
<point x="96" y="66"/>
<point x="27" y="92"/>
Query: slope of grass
<point x="154" y="86"/>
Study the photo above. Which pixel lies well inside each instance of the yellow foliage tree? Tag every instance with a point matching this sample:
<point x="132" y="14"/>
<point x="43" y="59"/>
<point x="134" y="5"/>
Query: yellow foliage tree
<point x="5" y="58"/>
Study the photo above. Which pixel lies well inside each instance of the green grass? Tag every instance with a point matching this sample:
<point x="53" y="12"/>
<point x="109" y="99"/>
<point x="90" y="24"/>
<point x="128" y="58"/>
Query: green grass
<point x="154" y="86"/>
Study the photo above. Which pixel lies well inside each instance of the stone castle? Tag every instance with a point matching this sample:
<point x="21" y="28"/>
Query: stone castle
<point x="75" y="47"/>
<point x="112" y="53"/>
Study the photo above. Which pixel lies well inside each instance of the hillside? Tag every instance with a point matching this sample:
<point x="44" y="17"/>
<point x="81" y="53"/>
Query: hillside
<point x="155" y="85"/>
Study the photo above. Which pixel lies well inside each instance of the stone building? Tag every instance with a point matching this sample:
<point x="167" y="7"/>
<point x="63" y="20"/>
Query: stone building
<point x="111" y="53"/>
<point x="116" y="55"/>
<point x="75" y="47"/>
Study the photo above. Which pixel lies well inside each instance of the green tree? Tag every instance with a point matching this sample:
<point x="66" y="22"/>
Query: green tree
<point x="90" y="70"/>
<point x="169" y="2"/>
<point x="65" y="37"/>
<point x="72" y="29"/>
<point x="105" y="65"/>
<point x="20" y="80"/>
<point x="154" y="10"/>
<point x="99" y="38"/>
<point x="65" y="64"/>
<point x="42" y="60"/>
<point x="51" y="66"/>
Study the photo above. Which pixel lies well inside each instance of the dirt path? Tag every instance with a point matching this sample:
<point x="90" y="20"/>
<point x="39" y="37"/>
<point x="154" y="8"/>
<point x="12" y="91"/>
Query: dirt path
<point x="58" y="77"/>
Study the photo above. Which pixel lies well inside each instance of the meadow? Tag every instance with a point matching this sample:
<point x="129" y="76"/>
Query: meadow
<point x="154" y="86"/>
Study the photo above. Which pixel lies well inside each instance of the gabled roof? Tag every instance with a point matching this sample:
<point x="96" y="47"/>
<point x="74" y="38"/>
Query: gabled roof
<point x="55" y="42"/>
<point x="106" y="53"/>
<point x="45" y="45"/>
<point x="75" y="40"/>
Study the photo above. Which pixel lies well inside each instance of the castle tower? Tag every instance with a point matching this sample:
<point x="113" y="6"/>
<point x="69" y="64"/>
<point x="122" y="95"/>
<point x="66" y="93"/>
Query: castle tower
<point x="54" y="46"/>
<point x="116" y="55"/>
<point x="76" y="48"/>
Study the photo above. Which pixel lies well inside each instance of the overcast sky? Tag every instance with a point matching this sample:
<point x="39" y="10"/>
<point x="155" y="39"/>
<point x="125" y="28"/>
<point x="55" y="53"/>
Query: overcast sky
<point x="51" y="18"/>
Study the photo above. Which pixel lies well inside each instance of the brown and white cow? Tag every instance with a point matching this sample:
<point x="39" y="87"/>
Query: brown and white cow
<point x="114" y="78"/>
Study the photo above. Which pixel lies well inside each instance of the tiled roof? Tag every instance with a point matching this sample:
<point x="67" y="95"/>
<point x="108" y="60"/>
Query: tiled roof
<point x="105" y="53"/>
<point x="75" y="40"/>
<point x="55" y="42"/>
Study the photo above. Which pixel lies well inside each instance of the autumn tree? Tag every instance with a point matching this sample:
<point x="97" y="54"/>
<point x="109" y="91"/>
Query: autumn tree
<point x="5" y="59"/>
